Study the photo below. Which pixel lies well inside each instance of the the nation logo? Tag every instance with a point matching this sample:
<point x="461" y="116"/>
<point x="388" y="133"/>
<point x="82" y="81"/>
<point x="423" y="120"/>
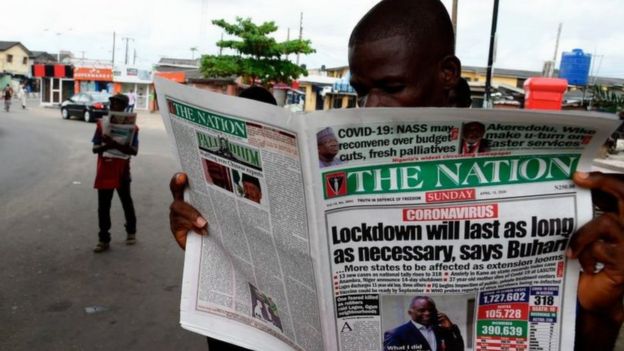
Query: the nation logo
<point x="335" y="184"/>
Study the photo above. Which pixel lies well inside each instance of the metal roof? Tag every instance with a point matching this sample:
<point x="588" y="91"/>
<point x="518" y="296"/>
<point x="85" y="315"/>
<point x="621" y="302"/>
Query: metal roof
<point x="5" y="45"/>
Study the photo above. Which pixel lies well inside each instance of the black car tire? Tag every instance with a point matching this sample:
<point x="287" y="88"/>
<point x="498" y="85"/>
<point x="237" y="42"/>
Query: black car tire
<point x="65" y="113"/>
<point x="88" y="117"/>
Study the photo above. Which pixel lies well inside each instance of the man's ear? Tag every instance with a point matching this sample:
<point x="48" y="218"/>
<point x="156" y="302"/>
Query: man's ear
<point x="450" y="71"/>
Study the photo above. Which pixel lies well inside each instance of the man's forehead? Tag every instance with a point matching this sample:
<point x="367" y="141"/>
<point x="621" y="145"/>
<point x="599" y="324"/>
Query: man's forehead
<point x="381" y="58"/>
<point x="422" y="303"/>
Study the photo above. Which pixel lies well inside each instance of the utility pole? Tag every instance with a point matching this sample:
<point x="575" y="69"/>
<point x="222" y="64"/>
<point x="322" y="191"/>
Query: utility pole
<point x="487" y="103"/>
<point x="549" y="67"/>
<point x="127" y="39"/>
<point x="454" y="20"/>
<point x="300" y="33"/>
<point x="221" y="47"/>
<point x="134" y="59"/>
<point x="557" y="43"/>
<point x="113" y="48"/>
<point x="287" y="39"/>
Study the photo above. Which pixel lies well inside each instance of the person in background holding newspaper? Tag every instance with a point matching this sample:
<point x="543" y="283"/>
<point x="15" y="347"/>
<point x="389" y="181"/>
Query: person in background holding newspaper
<point x="427" y="330"/>
<point x="401" y="54"/>
<point x="114" y="173"/>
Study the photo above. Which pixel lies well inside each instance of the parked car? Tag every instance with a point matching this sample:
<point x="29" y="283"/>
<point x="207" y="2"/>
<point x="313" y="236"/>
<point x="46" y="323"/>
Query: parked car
<point x="88" y="106"/>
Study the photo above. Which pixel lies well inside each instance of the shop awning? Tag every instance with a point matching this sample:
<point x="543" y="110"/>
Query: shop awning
<point x="52" y="71"/>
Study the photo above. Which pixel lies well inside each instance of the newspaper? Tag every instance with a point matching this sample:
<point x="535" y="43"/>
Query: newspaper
<point x="121" y="127"/>
<point x="470" y="208"/>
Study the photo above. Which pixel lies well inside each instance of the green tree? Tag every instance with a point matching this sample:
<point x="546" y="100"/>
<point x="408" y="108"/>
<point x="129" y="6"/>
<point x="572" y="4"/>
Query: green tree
<point x="607" y="99"/>
<point x="259" y="56"/>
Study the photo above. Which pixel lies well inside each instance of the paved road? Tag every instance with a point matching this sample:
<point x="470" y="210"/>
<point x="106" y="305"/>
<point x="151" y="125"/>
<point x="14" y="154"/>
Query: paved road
<point x="48" y="223"/>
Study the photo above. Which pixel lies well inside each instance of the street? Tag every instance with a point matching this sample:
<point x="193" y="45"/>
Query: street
<point x="56" y="293"/>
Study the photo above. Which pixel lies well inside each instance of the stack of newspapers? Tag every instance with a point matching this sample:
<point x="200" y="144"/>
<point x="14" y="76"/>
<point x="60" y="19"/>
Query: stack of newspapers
<point x="120" y="126"/>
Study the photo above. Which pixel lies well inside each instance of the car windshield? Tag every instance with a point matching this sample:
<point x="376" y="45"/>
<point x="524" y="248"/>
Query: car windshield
<point x="100" y="97"/>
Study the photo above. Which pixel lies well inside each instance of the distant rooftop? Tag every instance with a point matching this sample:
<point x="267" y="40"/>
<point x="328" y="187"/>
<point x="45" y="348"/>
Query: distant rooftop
<point x="5" y="45"/>
<point x="516" y="73"/>
<point x="177" y="62"/>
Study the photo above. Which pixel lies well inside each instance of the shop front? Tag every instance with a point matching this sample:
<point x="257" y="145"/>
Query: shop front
<point x="93" y="79"/>
<point x="56" y="82"/>
<point x="129" y="79"/>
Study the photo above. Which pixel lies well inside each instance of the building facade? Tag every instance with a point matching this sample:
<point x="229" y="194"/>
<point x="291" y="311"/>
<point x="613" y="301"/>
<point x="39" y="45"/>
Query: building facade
<point x="131" y="79"/>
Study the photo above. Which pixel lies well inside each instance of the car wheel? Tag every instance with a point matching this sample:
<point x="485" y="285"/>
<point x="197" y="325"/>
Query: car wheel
<point x="87" y="116"/>
<point x="65" y="113"/>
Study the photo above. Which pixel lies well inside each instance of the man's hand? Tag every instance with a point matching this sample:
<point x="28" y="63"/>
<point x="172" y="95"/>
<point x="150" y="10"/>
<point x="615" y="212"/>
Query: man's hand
<point x="112" y="143"/>
<point x="601" y="240"/>
<point x="182" y="216"/>
<point x="600" y="291"/>
<point x="444" y="321"/>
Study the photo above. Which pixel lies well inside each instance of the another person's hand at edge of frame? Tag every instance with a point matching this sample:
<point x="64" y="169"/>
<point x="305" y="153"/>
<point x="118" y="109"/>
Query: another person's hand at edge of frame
<point x="600" y="293"/>
<point x="182" y="216"/>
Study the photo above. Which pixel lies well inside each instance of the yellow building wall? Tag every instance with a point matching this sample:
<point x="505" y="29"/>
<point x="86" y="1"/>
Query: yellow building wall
<point x="338" y="72"/>
<point x="310" y="98"/>
<point x="504" y="80"/>
<point x="17" y="66"/>
<point x="345" y="102"/>
<point x="472" y="76"/>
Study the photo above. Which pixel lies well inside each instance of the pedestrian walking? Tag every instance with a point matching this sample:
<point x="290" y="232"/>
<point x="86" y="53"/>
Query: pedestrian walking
<point x="131" y="101"/>
<point x="21" y="94"/>
<point x="7" y="94"/>
<point x="114" y="174"/>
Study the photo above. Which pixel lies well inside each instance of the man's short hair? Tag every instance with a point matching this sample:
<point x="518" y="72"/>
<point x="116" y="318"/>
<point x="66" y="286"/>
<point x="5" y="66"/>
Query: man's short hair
<point x="419" y="21"/>
<point x="259" y="94"/>
<point x="251" y="179"/>
<point x="422" y="297"/>
<point x="475" y="123"/>
<point x="121" y="98"/>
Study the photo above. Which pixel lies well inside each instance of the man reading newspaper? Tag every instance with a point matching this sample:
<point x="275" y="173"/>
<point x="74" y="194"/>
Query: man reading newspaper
<point x="401" y="54"/>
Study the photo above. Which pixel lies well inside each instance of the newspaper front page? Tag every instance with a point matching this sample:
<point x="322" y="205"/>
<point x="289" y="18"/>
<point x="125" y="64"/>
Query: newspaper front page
<point x="121" y="127"/>
<point x="470" y="208"/>
<point x="364" y="212"/>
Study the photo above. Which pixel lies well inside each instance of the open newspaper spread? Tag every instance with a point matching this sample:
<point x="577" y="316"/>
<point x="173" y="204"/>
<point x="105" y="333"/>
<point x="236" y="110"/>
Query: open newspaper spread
<point x="472" y="209"/>
<point x="120" y="126"/>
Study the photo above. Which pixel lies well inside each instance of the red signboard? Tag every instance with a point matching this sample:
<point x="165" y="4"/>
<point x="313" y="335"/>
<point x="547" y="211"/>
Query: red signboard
<point x="92" y="73"/>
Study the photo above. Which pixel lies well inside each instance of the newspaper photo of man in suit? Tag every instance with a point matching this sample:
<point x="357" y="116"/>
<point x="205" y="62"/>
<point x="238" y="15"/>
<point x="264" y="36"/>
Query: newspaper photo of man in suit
<point x="472" y="141"/>
<point x="428" y="330"/>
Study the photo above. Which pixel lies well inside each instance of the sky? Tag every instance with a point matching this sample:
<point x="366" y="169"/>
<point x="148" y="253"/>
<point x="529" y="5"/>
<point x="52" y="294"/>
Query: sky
<point x="527" y="29"/>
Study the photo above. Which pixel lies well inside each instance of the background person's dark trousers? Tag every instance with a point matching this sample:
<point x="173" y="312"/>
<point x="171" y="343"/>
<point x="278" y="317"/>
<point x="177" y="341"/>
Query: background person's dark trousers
<point x="105" y="197"/>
